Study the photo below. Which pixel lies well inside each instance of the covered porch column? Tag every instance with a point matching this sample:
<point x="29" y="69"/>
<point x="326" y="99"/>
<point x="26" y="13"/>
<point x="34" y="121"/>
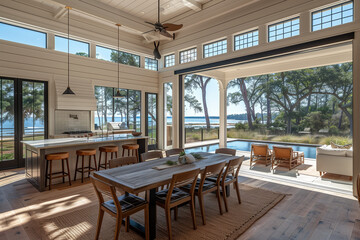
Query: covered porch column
<point x="222" y="113"/>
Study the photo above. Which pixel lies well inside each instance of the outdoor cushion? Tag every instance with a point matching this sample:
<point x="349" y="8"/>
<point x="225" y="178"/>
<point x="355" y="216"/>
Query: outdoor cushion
<point x="207" y="185"/>
<point x="127" y="202"/>
<point x="214" y="179"/>
<point x="349" y="152"/>
<point x="176" y="195"/>
<point x="334" y="145"/>
<point x="328" y="150"/>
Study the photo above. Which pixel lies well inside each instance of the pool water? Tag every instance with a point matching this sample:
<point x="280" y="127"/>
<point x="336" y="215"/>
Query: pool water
<point x="310" y="152"/>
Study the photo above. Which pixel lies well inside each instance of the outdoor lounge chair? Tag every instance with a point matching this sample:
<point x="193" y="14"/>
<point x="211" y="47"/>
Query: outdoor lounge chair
<point x="283" y="156"/>
<point x="260" y="153"/>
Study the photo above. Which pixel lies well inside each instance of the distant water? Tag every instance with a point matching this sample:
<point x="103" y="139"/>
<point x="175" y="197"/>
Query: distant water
<point x="30" y="127"/>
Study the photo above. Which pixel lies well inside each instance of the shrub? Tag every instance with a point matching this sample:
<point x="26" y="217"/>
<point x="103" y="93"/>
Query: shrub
<point x="241" y="126"/>
<point x="333" y="130"/>
<point x="337" y="140"/>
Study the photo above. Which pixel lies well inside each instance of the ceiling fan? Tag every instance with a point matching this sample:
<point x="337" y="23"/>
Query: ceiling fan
<point x="164" y="28"/>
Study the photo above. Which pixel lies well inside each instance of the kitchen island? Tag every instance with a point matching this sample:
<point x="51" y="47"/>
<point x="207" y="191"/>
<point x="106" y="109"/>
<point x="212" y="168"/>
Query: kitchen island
<point x="35" y="151"/>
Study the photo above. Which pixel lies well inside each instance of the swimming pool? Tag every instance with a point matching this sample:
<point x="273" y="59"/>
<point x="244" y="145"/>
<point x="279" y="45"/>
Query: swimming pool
<point x="310" y="152"/>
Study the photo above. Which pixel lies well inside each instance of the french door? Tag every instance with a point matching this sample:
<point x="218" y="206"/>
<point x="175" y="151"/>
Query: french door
<point x="151" y="119"/>
<point x="23" y="111"/>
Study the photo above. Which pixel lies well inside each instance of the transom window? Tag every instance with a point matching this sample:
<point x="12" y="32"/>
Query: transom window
<point x="111" y="55"/>
<point x="169" y="60"/>
<point x="245" y="40"/>
<point x="188" y="55"/>
<point x="76" y="47"/>
<point x="333" y="16"/>
<point x="151" y="64"/>
<point x="215" y="48"/>
<point x="284" y="29"/>
<point x="22" y="35"/>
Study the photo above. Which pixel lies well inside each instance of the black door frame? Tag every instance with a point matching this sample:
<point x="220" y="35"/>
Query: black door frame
<point x="151" y="146"/>
<point x="19" y="160"/>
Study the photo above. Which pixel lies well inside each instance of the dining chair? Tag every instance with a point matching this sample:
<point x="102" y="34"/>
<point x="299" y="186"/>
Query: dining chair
<point x="151" y="155"/>
<point x="174" y="196"/>
<point x="260" y="153"/>
<point x="174" y="151"/>
<point x="119" y="162"/>
<point x="227" y="151"/>
<point x="119" y="207"/>
<point x="204" y="186"/>
<point x="285" y="157"/>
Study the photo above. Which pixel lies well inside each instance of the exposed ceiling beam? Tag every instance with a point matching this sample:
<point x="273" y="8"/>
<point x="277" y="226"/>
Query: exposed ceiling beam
<point x="106" y="12"/>
<point x="60" y="13"/>
<point x="194" y="5"/>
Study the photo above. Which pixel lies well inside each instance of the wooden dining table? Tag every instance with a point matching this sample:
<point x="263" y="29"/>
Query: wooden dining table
<point x="146" y="176"/>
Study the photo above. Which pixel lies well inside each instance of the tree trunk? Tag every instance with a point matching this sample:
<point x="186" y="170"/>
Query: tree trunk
<point x="340" y="119"/>
<point x="349" y="116"/>
<point x="203" y="93"/>
<point x="246" y="101"/>
<point x="308" y="104"/>
<point x="268" y="103"/>
<point x="288" y="130"/>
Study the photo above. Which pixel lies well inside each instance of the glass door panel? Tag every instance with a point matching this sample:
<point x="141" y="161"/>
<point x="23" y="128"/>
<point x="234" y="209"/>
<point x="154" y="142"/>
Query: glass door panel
<point x="168" y="114"/>
<point x="7" y="121"/>
<point x="151" y="120"/>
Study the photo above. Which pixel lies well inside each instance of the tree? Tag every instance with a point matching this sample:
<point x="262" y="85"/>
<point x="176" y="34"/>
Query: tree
<point x="194" y="82"/>
<point x="124" y="58"/>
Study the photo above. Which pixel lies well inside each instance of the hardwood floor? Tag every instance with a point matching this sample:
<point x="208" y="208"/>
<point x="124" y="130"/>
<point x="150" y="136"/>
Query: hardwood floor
<point x="304" y="214"/>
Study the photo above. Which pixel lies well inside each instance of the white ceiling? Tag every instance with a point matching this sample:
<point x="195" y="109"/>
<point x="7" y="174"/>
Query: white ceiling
<point x="147" y="9"/>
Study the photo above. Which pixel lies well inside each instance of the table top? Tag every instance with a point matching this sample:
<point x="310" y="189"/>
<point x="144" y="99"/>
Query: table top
<point x="68" y="142"/>
<point x="142" y="176"/>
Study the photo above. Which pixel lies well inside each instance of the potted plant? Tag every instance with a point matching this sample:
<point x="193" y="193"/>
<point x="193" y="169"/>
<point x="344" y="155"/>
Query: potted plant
<point x="181" y="158"/>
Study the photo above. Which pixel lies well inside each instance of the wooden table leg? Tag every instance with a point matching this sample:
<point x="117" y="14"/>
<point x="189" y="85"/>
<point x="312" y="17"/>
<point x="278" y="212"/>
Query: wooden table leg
<point x="152" y="213"/>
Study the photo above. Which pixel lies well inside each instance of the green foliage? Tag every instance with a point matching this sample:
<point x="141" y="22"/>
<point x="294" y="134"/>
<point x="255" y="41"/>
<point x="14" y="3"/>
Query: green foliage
<point x="125" y="58"/>
<point x="333" y="130"/>
<point x="336" y="139"/>
<point x="315" y="121"/>
<point x="241" y="126"/>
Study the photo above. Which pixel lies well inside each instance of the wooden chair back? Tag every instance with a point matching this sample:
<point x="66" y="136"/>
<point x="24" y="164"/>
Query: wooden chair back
<point x="102" y="188"/>
<point x="227" y="151"/>
<point x="233" y="167"/>
<point x="210" y="171"/>
<point x="260" y="149"/>
<point x="118" y="162"/>
<point x="181" y="179"/>
<point x="151" y="155"/>
<point x="174" y="151"/>
<point x="283" y="152"/>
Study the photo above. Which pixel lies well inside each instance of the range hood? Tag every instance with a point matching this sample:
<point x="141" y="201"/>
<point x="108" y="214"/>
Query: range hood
<point x="84" y="98"/>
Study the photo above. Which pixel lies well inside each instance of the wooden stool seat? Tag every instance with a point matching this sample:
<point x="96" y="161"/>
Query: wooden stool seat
<point x="63" y="156"/>
<point x="86" y="152"/>
<point x="106" y="150"/>
<point x="89" y="168"/>
<point x="109" y="149"/>
<point x="133" y="150"/>
<point x="57" y="156"/>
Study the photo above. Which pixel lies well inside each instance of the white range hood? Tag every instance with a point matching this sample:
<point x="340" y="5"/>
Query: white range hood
<point x="84" y="98"/>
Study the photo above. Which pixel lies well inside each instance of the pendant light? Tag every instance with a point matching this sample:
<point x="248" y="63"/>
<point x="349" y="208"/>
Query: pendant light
<point x="68" y="91"/>
<point x="118" y="93"/>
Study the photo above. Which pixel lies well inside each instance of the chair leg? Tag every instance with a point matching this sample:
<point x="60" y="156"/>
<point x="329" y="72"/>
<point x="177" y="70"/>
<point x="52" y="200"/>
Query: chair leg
<point x="106" y="160"/>
<point x="63" y="173"/>
<point x="95" y="162"/>
<point x="219" y="199"/>
<point x="127" y="223"/>
<point x="201" y="203"/>
<point x="117" y="228"/>
<point x="99" y="223"/>
<point x="237" y="191"/>
<point x="225" y="198"/>
<point x="47" y="170"/>
<point x="168" y="222"/>
<point x="146" y="215"/>
<point x="99" y="165"/>
<point x="89" y="166"/>
<point x="123" y="152"/>
<point x="68" y="170"/>
<point x="112" y="155"/>
<point x="82" y="169"/>
<point x="116" y="154"/>
<point x="50" y="175"/>
<point x="192" y="209"/>
<point x="76" y="168"/>
<point x="175" y="213"/>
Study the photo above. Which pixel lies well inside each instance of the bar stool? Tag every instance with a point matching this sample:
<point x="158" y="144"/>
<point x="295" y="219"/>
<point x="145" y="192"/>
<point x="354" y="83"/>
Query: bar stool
<point x="83" y="153"/>
<point x="106" y="150"/>
<point x="57" y="156"/>
<point x="132" y="150"/>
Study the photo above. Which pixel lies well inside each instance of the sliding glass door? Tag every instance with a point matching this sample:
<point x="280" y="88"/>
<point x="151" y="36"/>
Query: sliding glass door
<point x="23" y="117"/>
<point x="151" y="128"/>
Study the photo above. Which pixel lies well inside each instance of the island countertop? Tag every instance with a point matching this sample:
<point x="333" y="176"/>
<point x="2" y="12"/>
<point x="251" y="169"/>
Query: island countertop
<point x="68" y="142"/>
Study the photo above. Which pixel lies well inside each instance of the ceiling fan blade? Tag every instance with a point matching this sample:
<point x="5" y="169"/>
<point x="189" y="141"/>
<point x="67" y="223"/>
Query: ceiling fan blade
<point x="165" y="33"/>
<point x="172" y="27"/>
<point x="149" y="31"/>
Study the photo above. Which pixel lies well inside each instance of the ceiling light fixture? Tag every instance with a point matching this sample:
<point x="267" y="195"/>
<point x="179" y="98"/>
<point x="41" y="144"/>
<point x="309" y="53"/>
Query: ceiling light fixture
<point x="118" y="93"/>
<point x="68" y="91"/>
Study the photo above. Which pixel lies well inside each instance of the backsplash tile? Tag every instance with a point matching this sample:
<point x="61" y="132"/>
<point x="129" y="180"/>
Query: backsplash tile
<point x="66" y="120"/>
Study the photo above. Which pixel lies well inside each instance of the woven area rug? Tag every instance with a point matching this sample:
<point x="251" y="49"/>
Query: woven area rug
<point x="80" y="223"/>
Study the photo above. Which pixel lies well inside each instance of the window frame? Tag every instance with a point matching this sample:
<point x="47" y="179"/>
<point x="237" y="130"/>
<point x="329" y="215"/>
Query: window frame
<point x="320" y="10"/>
<point x="165" y="65"/>
<point x="108" y="48"/>
<point x="186" y="50"/>
<point x="157" y="64"/>
<point x="245" y="33"/>
<point x="215" y="42"/>
<point x="282" y="22"/>
<point x="72" y="39"/>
